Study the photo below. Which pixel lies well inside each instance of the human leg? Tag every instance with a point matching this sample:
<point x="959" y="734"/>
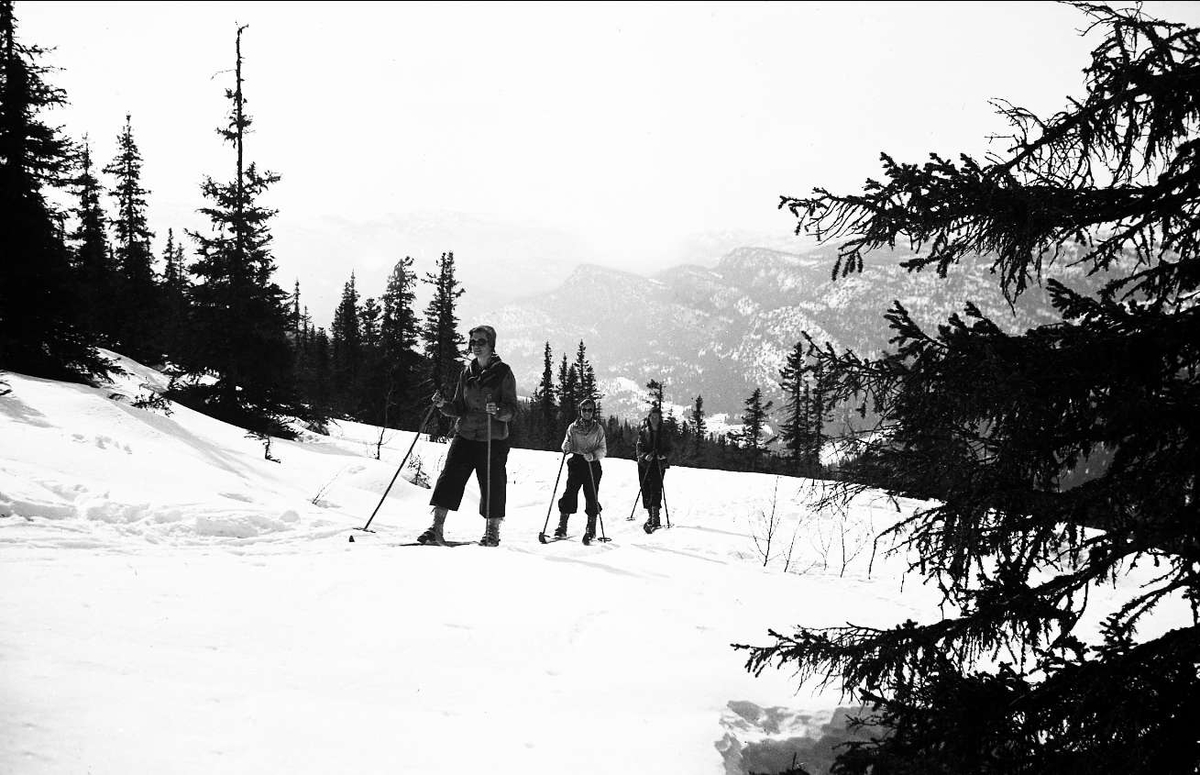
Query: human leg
<point x="492" y="504"/>
<point x="433" y="534"/>
<point x="652" y="498"/>
<point x="452" y="481"/>
<point x="591" y="486"/>
<point x="448" y="492"/>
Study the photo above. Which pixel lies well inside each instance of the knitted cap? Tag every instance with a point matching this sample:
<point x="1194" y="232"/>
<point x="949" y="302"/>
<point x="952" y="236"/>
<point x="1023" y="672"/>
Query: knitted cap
<point x="488" y="332"/>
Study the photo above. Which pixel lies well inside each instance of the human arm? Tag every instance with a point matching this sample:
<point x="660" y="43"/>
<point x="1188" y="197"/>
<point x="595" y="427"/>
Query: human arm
<point x="600" y="451"/>
<point x="456" y="406"/>
<point x="503" y="404"/>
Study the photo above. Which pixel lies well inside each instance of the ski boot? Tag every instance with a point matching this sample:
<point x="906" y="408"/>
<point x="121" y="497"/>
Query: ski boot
<point x="561" y="530"/>
<point x="491" y="533"/>
<point x="433" y="534"/>
<point x="652" y="524"/>
<point x="589" y="535"/>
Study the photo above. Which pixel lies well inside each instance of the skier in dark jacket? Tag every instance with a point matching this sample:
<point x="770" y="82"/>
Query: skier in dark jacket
<point x="484" y="401"/>
<point x="653" y="457"/>
<point x="586" y="443"/>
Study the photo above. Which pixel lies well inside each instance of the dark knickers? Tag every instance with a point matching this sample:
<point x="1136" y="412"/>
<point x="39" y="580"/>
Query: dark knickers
<point x="464" y="457"/>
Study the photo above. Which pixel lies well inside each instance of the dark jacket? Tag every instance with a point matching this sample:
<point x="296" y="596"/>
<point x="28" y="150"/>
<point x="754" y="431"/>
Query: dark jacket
<point x="651" y="442"/>
<point x="475" y="384"/>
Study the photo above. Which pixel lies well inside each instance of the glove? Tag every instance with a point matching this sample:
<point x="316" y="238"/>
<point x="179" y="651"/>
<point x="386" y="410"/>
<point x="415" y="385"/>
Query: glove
<point x="588" y="456"/>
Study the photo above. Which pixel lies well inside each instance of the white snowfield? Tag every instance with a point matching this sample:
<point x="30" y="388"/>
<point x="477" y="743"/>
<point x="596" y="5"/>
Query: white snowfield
<point x="171" y="601"/>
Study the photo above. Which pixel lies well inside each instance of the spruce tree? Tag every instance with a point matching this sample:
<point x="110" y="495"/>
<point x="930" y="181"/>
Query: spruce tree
<point x="400" y="335"/>
<point x="320" y="390"/>
<point x="805" y="389"/>
<point x="545" y="409"/>
<point x="370" y="314"/>
<point x="699" y="429"/>
<point x="586" y="377"/>
<point x="346" y="351"/>
<point x="754" y="422"/>
<point x="240" y="315"/>
<point x="568" y="393"/>
<point x="793" y="430"/>
<point x="374" y="386"/>
<point x="137" y="303"/>
<point x="295" y="314"/>
<point x="444" y="345"/>
<point x="175" y="293"/>
<point x="94" y="271"/>
<point x="656" y="392"/>
<point x="301" y="335"/>
<point x="991" y="426"/>
<point x="40" y="330"/>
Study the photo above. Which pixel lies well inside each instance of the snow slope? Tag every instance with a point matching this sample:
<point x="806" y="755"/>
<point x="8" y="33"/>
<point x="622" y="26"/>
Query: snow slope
<point x="173" y="601"/>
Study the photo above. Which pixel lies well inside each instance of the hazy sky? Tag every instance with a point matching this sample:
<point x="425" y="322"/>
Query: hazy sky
<point x="625" y="134"/>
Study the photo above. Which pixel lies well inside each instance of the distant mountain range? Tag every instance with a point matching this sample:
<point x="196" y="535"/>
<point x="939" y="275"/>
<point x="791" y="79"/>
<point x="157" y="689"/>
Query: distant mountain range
<point x="721" y="331"/>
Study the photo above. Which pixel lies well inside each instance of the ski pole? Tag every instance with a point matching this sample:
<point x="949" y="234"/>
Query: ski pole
<point x="487" y="505"/>
<point x="596" y="497"/>
<point x="641" y="484"/>
<point x="662" y="489"/>
<point x="542" y="535"/>
<point x="416" y="436"/>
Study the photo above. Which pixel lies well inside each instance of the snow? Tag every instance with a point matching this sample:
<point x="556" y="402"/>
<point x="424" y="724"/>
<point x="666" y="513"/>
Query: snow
<point x="173" y="601"/>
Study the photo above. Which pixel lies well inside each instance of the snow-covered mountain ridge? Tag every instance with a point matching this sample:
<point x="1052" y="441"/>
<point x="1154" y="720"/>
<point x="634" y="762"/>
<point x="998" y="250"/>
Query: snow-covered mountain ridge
<point x="721" y="332"/>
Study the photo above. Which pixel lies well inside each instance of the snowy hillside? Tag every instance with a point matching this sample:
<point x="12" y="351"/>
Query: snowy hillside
<point x="173" y="601"/>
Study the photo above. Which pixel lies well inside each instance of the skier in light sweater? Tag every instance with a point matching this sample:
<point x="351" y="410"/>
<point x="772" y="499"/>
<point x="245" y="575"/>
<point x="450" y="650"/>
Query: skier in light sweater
<point x="587" y="446"/>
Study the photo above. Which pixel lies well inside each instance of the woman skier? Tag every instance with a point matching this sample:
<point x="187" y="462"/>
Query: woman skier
<point x="586" y="444"/>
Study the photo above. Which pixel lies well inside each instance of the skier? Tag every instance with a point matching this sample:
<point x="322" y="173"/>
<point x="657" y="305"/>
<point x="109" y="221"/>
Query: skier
<point x="484" y="401"/>
<point x="586" y="444"/>
<point x="653" y="457"/>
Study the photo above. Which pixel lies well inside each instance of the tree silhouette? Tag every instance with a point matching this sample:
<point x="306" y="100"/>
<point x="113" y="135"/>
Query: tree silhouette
<point x="568" y="392"/>
<point x="240" y="316"/>
<point x="137" y="303"/>
<point x="699" y="429"/>
<point x="586" y="378"/>
<point x="754" y="422"/>
<point x="656" y="393"/>
<point x="40" y="330"/>
<point x="805" y="388"/>
<point x="545" y="409"/>
<point x="399" y="336"/>
<point x="94" y="270"/>
<point x="989" y="425"/>
<point x="346" y="351"/>
<point x="444" y="345"/>
<point x="175" y="296"/>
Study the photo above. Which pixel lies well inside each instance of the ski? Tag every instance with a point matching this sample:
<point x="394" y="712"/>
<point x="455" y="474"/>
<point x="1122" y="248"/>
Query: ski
<point x="447" y="543"/>
<point x="550" y="539"/>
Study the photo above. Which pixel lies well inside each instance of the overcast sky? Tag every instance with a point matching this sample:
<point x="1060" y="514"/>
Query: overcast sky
<point x="616" y="133"/>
